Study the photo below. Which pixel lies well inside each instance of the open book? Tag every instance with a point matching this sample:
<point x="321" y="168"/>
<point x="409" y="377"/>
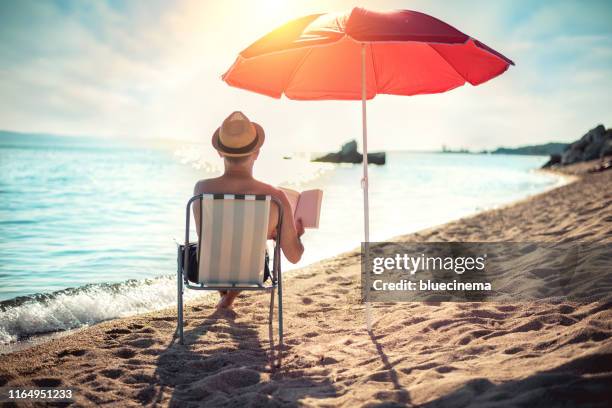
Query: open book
<point x="305" y="205"/>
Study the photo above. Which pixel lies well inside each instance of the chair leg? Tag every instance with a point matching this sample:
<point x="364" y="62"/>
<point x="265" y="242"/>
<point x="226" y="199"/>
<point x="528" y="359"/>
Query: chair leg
<point x="280" y="322"/>
<point x="179" y="286"/>
<point x="270" y="329"/>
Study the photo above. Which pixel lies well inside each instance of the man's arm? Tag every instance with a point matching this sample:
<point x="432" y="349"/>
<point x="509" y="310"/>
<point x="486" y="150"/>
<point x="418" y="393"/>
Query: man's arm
<point x="290" y="232"/>
<point x="197" y="189"/>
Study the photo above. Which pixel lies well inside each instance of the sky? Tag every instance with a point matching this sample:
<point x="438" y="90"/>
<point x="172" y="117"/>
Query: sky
<point x="151" y="69"/>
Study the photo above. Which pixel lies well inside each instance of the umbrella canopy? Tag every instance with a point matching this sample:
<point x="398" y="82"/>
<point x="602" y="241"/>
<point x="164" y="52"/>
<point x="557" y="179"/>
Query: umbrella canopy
<point x="318" y="57"/>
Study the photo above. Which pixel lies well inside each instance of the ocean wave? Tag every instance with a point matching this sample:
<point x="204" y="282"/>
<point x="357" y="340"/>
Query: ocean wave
<point x="72" y="308"/>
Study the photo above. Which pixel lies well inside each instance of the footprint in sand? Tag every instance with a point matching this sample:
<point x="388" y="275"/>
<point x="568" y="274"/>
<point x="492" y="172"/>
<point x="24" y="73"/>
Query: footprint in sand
<point x="566" y="309"/>
<point x="421" y="367"/>
<point x="513" y="350"/>
<point x="473" y="335"/>
<point x="142" y="343"/>
<point x="112" y="373"/>
<point x="381" y="376"/>
<point x="327" y="360"/>
<point x="152" y="351"/>
<point x="341" y="291"/>
<point x="507" y="308"/>
<point x="164" y="319"/>
<point x="147" y="330"/>
<point x="72" y="352"/>
<point x="125" y="353"/>
<point x="118" y="331"/>
<point x="325" y="309"/>
<point x="533" y="325"/>
<point x="437" y="324"/>
<point x="139" y="378"/>
<point x="586" y="334"/>
<point x="47" y="382"/>
<point x="89" y="378"/>
<point x="487" y="314"/>
<point x="292" y="342"/>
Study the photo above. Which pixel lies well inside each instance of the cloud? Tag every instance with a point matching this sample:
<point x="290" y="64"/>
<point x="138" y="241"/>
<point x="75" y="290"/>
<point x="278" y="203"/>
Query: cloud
<point x="151" y="69"/>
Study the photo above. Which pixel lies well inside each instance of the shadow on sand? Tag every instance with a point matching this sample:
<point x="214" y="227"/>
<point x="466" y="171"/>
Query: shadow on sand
<point x="400" y="395"/>
<point x="224" y="363"/>
<point x="582" y="382"/>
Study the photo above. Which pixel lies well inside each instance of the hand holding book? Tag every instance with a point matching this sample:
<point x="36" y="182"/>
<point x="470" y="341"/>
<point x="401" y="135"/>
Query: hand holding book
<point x="299" y="227"/>
<point x="306" y="206"/>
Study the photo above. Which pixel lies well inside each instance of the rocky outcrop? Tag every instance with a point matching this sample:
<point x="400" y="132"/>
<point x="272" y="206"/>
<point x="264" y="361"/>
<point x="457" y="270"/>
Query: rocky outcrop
<point x="555" y="159"/>
<point x="349" y="154"/>
<point x="553" y="148"/>
<point x="595" y="144"/>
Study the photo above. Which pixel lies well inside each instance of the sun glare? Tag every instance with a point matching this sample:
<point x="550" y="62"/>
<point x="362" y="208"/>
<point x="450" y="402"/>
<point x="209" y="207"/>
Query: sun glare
<point x="276" y="12"/>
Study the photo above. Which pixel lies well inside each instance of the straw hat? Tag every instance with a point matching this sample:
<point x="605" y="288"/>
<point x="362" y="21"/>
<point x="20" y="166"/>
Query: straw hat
<point x="238" y="136"/>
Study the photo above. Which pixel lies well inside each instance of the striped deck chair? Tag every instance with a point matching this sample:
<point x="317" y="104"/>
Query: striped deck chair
<point x="231" y="250"/>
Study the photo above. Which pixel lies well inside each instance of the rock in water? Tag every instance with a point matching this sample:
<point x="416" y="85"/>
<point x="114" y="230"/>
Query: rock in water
<point x="377" y="158"/>
<point x="348" y="149"/>
<point x="349" y="154"/>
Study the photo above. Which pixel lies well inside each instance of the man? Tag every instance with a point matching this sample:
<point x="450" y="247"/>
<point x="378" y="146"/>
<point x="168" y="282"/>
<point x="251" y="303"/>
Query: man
<point x="238" y="141"/>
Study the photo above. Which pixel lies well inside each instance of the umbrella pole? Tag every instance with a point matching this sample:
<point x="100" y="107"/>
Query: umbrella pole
<point x="364" y="184"/>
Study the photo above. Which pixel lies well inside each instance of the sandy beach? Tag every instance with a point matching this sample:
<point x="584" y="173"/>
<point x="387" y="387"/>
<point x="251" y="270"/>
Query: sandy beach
<point x="433" y="355"/>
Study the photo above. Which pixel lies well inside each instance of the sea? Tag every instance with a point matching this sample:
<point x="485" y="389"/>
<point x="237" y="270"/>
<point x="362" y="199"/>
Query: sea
<point x="88" y="227"/>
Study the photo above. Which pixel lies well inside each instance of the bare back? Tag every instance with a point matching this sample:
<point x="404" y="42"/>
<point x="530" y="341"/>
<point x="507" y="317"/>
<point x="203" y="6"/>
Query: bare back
<point x="227" y="184"/>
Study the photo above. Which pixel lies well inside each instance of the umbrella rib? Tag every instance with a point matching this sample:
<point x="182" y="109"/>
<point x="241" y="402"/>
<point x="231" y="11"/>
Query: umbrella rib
<point x="448" y="63"/>
<point x="374" y="68"/>
<point x="297" y="68"/>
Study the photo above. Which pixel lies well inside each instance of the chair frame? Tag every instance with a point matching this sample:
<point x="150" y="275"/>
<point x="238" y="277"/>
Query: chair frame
<point x="276" y="276"/>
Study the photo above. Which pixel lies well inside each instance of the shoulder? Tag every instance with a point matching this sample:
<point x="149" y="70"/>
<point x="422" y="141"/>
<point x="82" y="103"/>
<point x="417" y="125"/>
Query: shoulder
<point x="201" y="186"/>
<point x="277" y="193"/>
<point x="197" y="188"/>
<point x="273" y="191"/>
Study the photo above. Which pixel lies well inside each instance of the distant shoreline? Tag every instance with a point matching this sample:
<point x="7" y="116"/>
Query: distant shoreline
<point x="80" y="139"/>
<point x="546" y="149"/>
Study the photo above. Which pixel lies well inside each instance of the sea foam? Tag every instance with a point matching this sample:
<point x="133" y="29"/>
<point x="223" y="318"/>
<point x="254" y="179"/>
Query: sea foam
<point x="72" y="308"/>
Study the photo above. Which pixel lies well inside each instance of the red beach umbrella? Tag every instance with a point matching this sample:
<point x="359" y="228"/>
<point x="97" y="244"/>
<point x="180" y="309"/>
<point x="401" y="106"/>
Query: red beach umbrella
<point x="359" y="54"/>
